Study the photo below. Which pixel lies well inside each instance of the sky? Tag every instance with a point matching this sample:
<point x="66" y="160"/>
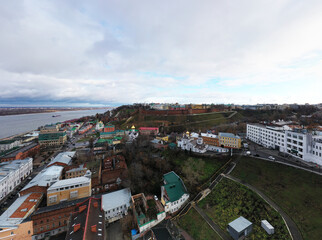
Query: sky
<point x="107" y="53"/>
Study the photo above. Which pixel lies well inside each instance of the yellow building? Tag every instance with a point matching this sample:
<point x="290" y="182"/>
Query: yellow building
<point x="50" y="136"/>
<point x="76" y="172"/>
<point x="229" y="140"/>
<point x="165" y="139"/>
<point x="69" y="189"/>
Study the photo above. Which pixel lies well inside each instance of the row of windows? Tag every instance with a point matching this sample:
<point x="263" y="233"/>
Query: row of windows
<point x="116" y="209"/>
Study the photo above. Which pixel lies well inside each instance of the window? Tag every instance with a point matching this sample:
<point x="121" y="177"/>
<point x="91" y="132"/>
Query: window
<point x="73" y="194"/>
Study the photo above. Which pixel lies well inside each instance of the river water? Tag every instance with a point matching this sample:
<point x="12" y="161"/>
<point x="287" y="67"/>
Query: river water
<point x="16" y="124"/>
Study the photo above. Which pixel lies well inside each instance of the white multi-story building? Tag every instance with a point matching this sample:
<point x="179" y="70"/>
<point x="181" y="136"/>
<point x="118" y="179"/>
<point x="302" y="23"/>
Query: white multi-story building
<point x="116" y="204"/>
<point x="173" y="193"/>
<point x="8" y="144"/>
<point x="298" y="144"/>
<point x="12" y="173"/>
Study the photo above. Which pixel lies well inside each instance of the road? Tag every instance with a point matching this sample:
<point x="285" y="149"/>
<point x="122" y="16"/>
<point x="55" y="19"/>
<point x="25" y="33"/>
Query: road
<point x="264" y="153"/>
<point x="293" y="230"/>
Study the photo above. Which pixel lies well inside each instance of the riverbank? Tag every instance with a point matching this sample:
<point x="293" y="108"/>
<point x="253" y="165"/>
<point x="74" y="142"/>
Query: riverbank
<point x="20" y="111"/>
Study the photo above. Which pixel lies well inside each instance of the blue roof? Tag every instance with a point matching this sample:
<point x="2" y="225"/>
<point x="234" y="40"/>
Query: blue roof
<point x="230" y="135"/>
<point x="240" y="224"/>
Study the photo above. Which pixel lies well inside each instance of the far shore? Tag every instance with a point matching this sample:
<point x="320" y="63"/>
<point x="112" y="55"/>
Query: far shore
<point x="19" y="111"/>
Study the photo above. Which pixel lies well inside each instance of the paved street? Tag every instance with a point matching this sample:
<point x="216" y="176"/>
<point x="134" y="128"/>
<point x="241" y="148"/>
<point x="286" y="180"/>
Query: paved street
<point x="261" y="152"/>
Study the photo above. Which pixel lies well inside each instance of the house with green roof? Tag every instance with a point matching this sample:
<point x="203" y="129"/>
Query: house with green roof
<point x="173" y="193"/>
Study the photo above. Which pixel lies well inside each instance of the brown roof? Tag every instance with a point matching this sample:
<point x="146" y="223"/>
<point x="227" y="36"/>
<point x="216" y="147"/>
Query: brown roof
<point x="27" y="205"/>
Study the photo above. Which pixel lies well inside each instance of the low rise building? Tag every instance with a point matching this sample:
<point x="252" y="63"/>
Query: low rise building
<point x="173" y="193"/>
<point x="12" y="221"/>
<point x="43" y="180"/>
<point x="116" y="133"/>
<point x="193" y="143"/>
<point x="51" y="136"/>
<point x="12" y="173"/>
<point x="116" y="204"/>
<point x="239" y="228"/>
<point x="149" y="131"/>
<point x="147" y="213"/>
<point x="88" y="221"/>
<point x="77" y="171"/>
<point x="9" y="144"/>
<point x="69" y="189"/>
<point x="229" y="140"/>
<point x="114" y="171"/>
<point x="52" y="220"/>
<point x="62" y="159"/>
<point x="85" y="128"/>
<point x="21" y="153"/>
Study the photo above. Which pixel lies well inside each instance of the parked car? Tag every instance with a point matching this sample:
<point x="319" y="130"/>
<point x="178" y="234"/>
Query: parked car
<point x="271" y="158"/>
<point x="156" y="198"/>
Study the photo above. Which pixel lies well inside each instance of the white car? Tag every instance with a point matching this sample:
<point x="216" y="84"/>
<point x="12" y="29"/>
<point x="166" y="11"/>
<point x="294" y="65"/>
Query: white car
<point x="156" y="198"/>
<point x="271" y="158"/>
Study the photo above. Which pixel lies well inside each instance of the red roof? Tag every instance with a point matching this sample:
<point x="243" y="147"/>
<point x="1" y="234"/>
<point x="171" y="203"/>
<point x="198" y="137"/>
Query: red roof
<point x="148" y="128"/>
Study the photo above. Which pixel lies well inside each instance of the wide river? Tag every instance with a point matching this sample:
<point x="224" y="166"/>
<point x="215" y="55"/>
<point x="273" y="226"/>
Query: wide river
<point x="16" y="124"/>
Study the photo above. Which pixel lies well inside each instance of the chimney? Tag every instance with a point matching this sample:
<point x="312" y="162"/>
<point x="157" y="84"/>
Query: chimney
<point x="82" y="208"/>
<point x="93" y="228"/>
<point x="76" y="227"/>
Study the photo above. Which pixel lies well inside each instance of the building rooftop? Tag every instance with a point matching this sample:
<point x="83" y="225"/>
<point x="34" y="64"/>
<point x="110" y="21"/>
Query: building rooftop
<point x="87" y="226"/>
<point x="174" y="186"/>
<point x="240" y="224"/>
<point x="64" y="158"/>
<point x="115" y="199"/>
<point x="8" y="141"/>
<point x="22" y="149"/>
<point x="7" y="167"/>
<point x="69" y="182"/>
<point x="46" y="177"/>
<point x="14" y="214"/>
<point x="229" y="135"/>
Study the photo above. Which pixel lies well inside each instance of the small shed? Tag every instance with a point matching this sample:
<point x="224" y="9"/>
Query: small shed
<point x="240" y="227"/>
<point x="267" y="226"/>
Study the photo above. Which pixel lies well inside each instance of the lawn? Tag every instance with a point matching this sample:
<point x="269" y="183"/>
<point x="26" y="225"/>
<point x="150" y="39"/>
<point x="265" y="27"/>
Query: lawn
<point x="200" y="166"/>
<point x="296" y="191"/>
<point x="230" y="200"/>
<point x="196" y="227"/>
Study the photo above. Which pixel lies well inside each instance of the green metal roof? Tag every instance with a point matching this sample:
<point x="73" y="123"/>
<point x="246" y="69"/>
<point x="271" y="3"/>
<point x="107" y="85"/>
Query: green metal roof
<point x="7" y="141"/>
<point x="51" y="136"/>
<point x="174" y="186"/>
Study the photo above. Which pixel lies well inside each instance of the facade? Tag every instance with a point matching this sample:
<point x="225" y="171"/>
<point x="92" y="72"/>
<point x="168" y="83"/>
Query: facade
<point x="229" y="140"/>
<point x="109" y="128"/>
<point x="99" y="126"/>
<point x="62" y="159"/>
<point x="75" y="171"/>
<point x="9" y="144"/>
<point x="193" y="143"/>
<point x="239" y="228"/>
<point x="13" y="222"/>
<point x="21" y="153"/>
<point x="210" y="139"/>
<point x="43" y="180"/>
<point x="296" y="143"/>
<point x="52" y="220"/>
<point x="173" y="193"/>
<point x="112" y="134"/>
<point x="87" y="222"/>
<point x="116" y="204"/>
<point x="51" y="136"/>
<point x="85" y="128"/>
<point x="12" y="173"/>
<point x="149" y="130"/>
<point x="69" y="189"/>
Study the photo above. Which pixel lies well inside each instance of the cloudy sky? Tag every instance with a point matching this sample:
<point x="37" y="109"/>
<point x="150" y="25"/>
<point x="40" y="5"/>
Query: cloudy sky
<point x="111" y="52"/>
